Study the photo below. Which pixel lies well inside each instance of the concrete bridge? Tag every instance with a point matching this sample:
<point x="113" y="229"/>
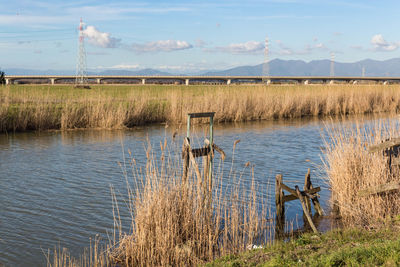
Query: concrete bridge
<point x="187" y="80"/>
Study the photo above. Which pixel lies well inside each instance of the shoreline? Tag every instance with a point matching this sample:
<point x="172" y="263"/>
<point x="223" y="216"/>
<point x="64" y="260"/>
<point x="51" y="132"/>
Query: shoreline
<point x="38" y="108"/>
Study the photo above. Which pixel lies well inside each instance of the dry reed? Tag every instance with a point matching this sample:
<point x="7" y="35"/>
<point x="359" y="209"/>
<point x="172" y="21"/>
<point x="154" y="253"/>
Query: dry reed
<point x="351" y="168"/>
<point x="177" y="222"/>
<point x="62" y="107"/>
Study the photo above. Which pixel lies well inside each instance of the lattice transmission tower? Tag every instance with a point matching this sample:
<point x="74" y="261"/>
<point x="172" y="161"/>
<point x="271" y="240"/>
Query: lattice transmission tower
<point x="81" y="73"/>
<point x="265" y="70"/>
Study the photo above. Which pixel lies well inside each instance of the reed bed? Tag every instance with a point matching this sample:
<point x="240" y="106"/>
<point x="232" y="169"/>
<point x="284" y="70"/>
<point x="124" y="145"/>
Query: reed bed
<point x="351" y="168"/>
<point x="36" y="107"/>
<point x="177" y="221"/>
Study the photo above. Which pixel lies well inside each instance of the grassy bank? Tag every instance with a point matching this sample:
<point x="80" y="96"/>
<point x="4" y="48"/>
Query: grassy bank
<point x="335" y="248"/>
<point x="41" y="107"/>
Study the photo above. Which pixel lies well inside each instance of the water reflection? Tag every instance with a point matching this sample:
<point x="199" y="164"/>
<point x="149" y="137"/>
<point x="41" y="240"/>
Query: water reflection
<point x="55" y="186"/>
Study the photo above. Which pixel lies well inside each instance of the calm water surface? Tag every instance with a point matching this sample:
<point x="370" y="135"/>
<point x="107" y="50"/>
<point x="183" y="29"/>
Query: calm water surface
<point x="55" y="186"/>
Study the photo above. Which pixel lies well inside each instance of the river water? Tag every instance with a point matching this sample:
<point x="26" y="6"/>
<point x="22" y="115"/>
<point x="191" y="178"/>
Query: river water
<point x="55" y="186"/>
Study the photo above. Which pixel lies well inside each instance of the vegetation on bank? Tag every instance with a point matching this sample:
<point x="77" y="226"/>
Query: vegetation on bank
<point x="353" y="247"/>
<point x="351" y="168"/>
<point x="42" y="107"/>
<point x="180" y="220"/>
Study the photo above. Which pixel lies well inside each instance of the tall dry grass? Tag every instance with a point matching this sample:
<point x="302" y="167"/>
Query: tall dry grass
<point x="351" y="168"/>
<point x="176" y="222"/>
<point x="51" y="107"/>
<point x="95" y="256"/>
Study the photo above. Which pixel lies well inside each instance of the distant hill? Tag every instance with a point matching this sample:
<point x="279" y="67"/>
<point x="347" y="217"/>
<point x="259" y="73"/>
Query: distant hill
<point x="70" y="72"/>
<point x="132" y="73"/>
<point x="15" y="71"/>
<point x="278" y="67"/>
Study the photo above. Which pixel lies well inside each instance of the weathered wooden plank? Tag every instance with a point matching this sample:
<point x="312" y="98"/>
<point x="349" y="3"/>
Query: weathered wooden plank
<point x="280" y="207"/>
<point x="387" y="144"/>
<point x="291" y="197"/>
<point x="313" y="197"/>
<point x="186" y="159"/>
<point x="307" y="186"/>
<point x="395" y="161"/>
<point x="201" y="115"/>
<point x="287" y="188"/>
<point x="384" y="188"/>
<point x="293" y="192"/>
<point x="200" y="152"/>
<point x="306" y="213"/>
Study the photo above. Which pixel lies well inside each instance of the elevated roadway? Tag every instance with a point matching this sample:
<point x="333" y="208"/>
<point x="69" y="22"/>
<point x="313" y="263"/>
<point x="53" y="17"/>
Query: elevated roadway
<point x="97" y="79"/>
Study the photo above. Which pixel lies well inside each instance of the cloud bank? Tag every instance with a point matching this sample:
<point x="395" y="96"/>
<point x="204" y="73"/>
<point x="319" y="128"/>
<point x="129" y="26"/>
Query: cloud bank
<point x="250" y="47"/>
<point x="100" y="39"/>
<point x="161" y="46"/>
<point x="380" y="44"/>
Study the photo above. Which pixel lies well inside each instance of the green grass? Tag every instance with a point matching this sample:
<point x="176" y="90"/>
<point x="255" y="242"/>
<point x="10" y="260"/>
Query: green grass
<point x="334" y="248"/>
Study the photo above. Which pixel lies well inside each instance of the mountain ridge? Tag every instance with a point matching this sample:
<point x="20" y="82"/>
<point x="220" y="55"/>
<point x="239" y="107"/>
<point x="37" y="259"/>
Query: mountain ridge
<point x="277" y="67"/>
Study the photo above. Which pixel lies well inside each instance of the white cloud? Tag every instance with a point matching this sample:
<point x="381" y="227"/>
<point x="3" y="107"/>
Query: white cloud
<point x="125" y="66"/>
<point x="308" y="49"/>
<point x="250" y="47"/>
<point x="101" y="39"/>
<point x="162" y="46"/>
<point x="120" y="66"/>
<point x="380" y="44"/>
<point x="284" y="50"/>
<point x="320" y="46"/>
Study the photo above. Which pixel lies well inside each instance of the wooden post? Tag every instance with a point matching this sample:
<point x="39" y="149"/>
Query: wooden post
<point x="314" y="197"/>
<point x="186" y="159"/>
<point x="303" y="204"/>
<point x="280" y="207"/>
<point x="336" y="209"/>
<point x="307" y="186"/>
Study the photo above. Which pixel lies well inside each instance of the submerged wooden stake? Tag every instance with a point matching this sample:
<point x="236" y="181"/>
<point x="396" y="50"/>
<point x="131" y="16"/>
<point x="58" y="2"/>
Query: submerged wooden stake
<point x="306" y="197"/>
<point x="303" y="204"/>
<point x="280" y="206"/>
<point x="186" y="159"/>
<point x="313" y="197"/>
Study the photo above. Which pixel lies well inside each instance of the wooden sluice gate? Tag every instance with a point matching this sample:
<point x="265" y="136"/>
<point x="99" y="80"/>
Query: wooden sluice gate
<point x="306" y="197"/>
<point x="207" y="151"/>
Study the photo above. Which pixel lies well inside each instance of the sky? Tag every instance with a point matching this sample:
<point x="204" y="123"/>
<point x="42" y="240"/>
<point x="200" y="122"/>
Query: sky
<point x="193" y="36"/>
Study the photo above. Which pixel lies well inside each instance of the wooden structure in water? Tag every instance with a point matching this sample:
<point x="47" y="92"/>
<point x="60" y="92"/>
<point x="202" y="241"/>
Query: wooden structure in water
<point x="391" y="150"/>
<point x="207" y="151"/>
<point x="308" y="195"/>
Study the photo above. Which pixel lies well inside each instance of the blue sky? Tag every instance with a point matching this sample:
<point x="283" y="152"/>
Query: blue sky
<point x="191" y="36"/>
